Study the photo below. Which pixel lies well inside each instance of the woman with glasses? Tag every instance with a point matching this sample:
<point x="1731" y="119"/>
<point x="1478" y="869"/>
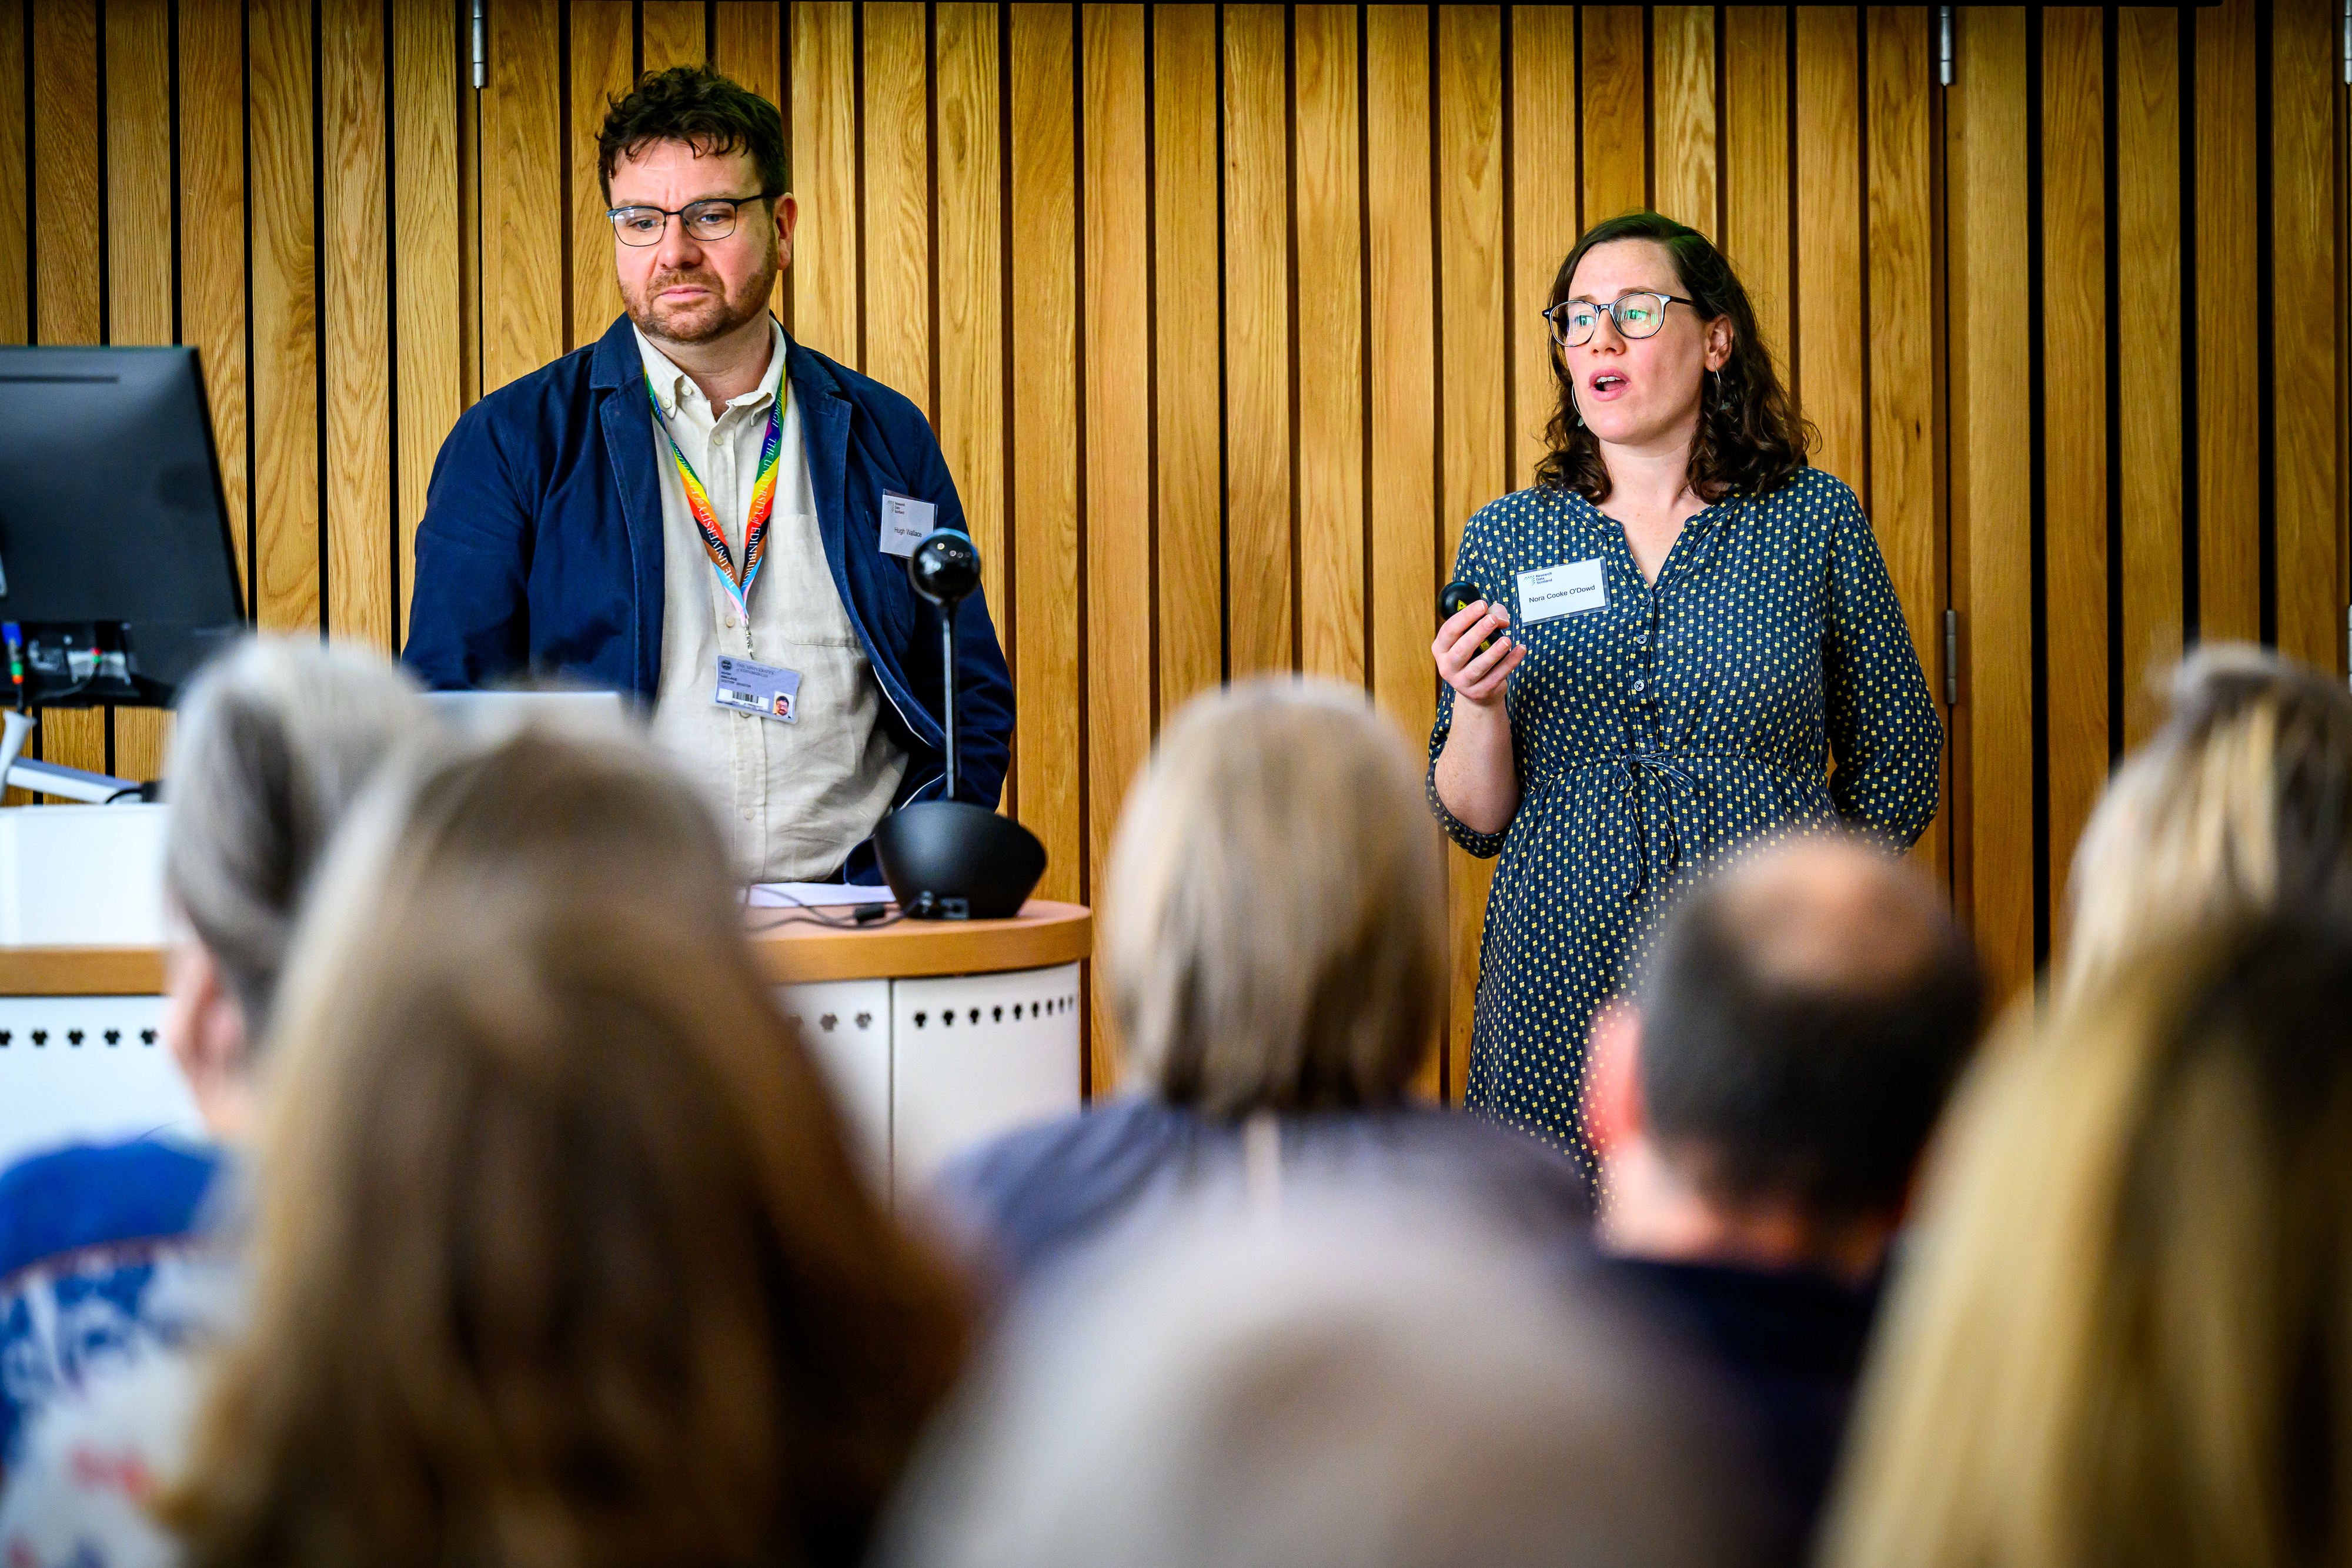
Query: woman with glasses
<point x="1671" y="635"/>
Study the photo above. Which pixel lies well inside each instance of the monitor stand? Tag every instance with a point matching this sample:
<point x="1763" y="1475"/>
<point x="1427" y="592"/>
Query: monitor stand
<point x="50" y="777"/>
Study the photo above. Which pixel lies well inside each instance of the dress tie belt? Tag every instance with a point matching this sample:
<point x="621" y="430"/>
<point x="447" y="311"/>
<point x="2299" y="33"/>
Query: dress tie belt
<point x="1630" y="769"/>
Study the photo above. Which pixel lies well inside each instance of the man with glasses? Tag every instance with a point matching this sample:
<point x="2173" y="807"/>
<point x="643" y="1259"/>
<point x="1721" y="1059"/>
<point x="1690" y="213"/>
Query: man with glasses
<point x="703" y="512"/>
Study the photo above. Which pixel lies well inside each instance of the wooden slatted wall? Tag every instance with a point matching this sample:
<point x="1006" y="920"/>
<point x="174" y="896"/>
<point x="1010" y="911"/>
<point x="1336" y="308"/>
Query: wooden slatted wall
<point x="1226" y="316"/>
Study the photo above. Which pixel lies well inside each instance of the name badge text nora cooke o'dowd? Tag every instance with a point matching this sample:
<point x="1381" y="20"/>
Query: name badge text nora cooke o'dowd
<point x="1569" y="588"/>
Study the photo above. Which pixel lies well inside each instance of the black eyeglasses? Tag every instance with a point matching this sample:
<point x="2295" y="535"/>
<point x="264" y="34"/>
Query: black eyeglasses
<point x="1573" y="321"/>
<point x="711" y="219"/>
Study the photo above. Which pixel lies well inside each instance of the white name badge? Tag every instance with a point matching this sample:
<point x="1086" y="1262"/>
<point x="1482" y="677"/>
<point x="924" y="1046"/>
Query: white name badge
<point x="1569" y="588"/>
<point x="763" y="689"/>
<point x="905" y="521"/>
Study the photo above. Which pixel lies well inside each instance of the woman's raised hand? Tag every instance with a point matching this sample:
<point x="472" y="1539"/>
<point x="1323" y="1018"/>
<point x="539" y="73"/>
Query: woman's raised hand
<point x="1477" y="677"/>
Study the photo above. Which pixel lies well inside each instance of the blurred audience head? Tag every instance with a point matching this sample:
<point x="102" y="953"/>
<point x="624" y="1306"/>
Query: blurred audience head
<point x="1327" y="1387"/>
<point x="2125" y="1335"/>
<point x="1802" y="1022"/>
<point x="559" y="1258"/>
<point x="276" y="738"/>
<point x="2243" y="802"/>
<point x="1274" y="930"/>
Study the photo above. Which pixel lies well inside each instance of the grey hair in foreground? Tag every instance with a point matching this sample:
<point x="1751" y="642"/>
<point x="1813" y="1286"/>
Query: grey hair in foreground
<point x="1275" y="925"/>
<point x="1303" y="1392"/>
<point x="276" y="738"/>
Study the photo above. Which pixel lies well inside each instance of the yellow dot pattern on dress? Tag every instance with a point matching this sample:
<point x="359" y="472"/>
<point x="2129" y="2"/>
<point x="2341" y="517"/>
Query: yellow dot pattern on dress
<point x="1665" y="732"/>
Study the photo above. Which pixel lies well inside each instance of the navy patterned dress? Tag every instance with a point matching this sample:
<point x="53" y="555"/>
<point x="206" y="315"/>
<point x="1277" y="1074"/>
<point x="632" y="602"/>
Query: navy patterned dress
<point x="1664" y="732"/>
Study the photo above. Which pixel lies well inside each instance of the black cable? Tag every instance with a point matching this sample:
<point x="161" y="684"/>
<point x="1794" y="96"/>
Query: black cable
<point x="807" y="914"/>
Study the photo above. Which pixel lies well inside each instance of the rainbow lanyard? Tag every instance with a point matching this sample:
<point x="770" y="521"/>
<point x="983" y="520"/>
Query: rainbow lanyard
<point x="764" y="502"/>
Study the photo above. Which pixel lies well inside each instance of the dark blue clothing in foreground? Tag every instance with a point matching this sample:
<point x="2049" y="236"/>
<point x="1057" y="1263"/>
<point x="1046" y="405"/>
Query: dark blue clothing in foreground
<point x="541" y="550"/>
<point x="1787" y="1350"/>
<point x="1033" y="1198"/>
<point x="85" y="1235"/>
<point x="1662" y="733"/>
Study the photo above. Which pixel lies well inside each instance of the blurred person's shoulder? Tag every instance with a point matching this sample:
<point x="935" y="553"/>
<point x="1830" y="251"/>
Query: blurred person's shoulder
<point x="1010" y="1204"/>
<point x="1519" y="1179"/>
<point x="99" y="1193"/>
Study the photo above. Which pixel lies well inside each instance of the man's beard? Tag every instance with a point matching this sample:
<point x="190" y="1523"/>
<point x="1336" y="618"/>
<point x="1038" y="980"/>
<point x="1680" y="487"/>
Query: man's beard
<point x="706" y="320"/>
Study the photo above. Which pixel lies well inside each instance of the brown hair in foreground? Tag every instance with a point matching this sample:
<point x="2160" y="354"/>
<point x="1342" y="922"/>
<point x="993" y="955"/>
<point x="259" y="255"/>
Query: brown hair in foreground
<point x="1274" y="932"/>
<point x="2127" y="1334"/>
<point x="560" y="1257"/>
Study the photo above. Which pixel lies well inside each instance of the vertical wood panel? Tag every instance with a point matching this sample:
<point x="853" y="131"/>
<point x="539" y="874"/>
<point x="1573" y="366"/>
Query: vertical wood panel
<point x="1258" y="543"/>
<point x="1046" y="752"/>
<point x="1330" y="346"/>
<point x="1476" y="437"/>
<point x="1187" y="422"/>
<point x="138" y="248"/>
<point x="2229" y="479"/>
<point x="426" y="312"/>
<point x="898" y="243"/>
<point x="1756" y="164"/>
<point x="972" y="279"/>
<point x="747" y="44"/>
<point x="1616" y="95"/>
<point x="1990" y="508"/>
<point x="284" y="283"/>
<point x="1404" y="523"/>
<point x="470" y="127"/>
<point x="1902" y="435"/>
<point x="1118" y="450"/>
<point x="674" y="34"/>
<point x="15" y="290"/>
<point x="1544" y="187"/>
<point x="1829" y="238"/>
<point x="212" y="236"/>
<point x="825" y="259"/>
<point x="2074" y="426"/>
<point x="66" y="200"/>
<point x="603" y="43"/>
<point x="522" y="161"/>
<point x="2307" y="335"/>
<point x="1681" y="77"/>
<point x="2147" y="256"/>
<point x="139" y="172"/>
<point x="359" y="381"/>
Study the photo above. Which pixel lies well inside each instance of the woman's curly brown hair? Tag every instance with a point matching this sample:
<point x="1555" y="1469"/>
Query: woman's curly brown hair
<point x="1750" y="447"/>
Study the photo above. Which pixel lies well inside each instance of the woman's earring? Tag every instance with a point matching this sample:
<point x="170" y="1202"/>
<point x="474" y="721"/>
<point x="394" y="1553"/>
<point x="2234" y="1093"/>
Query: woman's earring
<point x="1722" y="394"/>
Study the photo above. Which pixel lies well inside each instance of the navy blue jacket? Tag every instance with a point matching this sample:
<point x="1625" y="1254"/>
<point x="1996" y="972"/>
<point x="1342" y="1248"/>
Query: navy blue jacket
<point x="541" y="550"/>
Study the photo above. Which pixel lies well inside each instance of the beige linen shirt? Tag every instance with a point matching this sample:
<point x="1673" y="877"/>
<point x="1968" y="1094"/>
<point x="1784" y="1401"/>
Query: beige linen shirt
<point x="796" y="797"/>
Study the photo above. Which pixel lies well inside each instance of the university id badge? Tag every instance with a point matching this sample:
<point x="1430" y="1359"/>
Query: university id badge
<point x="766" y="690"/>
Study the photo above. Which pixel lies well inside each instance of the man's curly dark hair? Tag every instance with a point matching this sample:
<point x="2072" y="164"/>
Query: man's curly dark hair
<point x="708" y="112"/>
<point x="1752" y="447"/>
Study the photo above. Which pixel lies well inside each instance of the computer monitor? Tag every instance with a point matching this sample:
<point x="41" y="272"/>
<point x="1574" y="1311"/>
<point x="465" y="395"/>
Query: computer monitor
<point x="117" y="572"/>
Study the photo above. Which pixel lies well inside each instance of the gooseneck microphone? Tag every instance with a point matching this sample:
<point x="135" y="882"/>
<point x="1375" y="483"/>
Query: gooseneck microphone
<point x="947" y="859"/>
<point x="944" y="569"/>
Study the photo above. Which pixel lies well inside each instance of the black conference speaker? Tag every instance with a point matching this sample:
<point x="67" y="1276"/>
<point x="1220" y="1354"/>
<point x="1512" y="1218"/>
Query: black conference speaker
<point x="948" y="859"/>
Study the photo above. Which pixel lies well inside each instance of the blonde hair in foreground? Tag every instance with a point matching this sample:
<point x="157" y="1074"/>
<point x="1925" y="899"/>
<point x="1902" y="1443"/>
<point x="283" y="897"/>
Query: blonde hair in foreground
<point x="1274" y="928"/>
<point x="559" y="1258"/>
<point x="2125" y="1335"/>
<point x="2240" y="803"/>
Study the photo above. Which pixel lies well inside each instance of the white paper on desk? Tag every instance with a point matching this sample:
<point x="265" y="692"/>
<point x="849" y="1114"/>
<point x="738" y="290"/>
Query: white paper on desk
<point x="811" y="895"/>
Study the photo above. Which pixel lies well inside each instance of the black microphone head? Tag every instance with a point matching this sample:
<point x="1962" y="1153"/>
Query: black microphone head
<point x="945" y="567"/>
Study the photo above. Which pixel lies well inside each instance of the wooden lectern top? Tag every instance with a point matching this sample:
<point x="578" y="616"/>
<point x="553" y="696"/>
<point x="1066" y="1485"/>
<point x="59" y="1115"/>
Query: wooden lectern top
<point x="791" y="951"/>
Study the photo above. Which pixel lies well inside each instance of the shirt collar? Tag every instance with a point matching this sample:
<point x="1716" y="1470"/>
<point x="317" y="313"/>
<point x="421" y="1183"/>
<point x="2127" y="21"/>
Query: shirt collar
<point x="670" y="384"/>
